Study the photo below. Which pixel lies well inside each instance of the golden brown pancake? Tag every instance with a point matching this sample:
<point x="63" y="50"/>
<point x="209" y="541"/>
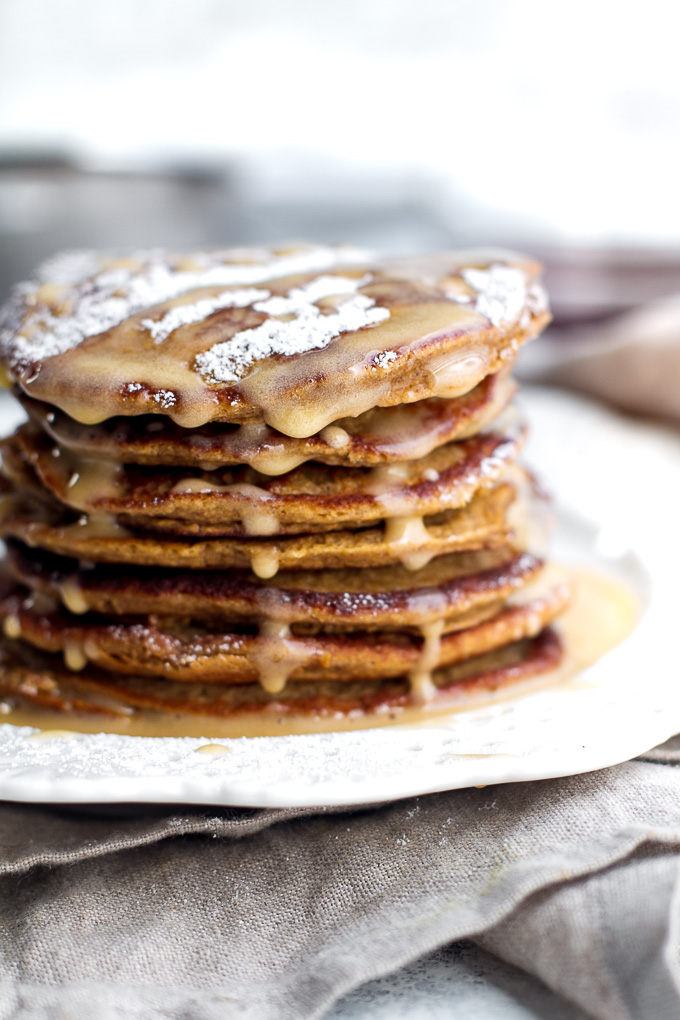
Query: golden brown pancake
<point x="270" y="483"/>
<point x="186" y="650"/>
<point x="239" y="500"/>
<point x="40" y="679"/>
<point x="48" y="525"/>
<point x="377" y="597"/>
<point x="378" y="436"/>
<point x="297" y="338"/>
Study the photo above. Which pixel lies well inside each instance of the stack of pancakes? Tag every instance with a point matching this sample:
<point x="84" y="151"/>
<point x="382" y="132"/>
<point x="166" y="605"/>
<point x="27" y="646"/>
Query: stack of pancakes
<point x="270" y="484"/>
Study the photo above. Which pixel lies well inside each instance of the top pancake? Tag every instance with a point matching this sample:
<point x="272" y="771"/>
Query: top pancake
<point x="296" y="338"/>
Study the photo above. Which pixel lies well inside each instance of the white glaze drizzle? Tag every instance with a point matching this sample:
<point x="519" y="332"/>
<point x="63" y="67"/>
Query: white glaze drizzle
<point x="12" y="626"/>
<point x="420" y="677"/>
<point x="409" y="538"/>
<point x="264" y="562"/>
<point x="73" y="597"/>
<point x="276" y="654"/>
<point x="256" y="517"/>
<point x="336" y="437"/>
<point x="75" y="658"/>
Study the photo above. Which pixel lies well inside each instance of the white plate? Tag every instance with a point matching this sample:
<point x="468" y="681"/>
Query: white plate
<point x="602" y="468"/>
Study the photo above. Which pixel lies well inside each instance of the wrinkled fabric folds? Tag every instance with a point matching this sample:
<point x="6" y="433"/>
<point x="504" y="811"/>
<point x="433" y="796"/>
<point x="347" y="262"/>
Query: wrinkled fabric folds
<point x="276" y="914"/>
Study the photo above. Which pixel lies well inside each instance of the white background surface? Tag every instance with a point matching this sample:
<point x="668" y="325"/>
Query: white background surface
<point x="529" y="119"/>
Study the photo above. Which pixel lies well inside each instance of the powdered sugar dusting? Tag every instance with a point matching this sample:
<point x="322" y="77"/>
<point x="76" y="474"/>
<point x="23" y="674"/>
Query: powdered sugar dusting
<point x="537" y="298"/>
<point x="307" y="330"/>
<point x="501" y="292"/>
<point x="383" y="359"/>
<point x="104" y="294"/>
<point x="300" y="300"/>
<point x="186" y="315"/>
<point x="291" y="767"/>
<point x="69" y="268"/>
<point x="50" y="335"/>
<point x="166" y="398"/>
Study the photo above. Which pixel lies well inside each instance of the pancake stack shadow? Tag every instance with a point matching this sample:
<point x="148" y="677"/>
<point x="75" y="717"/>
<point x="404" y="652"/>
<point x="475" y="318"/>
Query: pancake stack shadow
<point x="385" y="561"/>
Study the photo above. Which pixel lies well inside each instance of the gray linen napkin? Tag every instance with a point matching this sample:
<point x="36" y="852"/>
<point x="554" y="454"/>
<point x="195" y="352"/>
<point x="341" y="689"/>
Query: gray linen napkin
<point x="224" y="913"/>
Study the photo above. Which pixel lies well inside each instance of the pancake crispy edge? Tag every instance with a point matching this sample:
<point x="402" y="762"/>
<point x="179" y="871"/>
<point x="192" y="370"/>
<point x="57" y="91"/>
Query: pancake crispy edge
<point x="239" y="500"/>
<point x="375" y="598"/>
<point x="188" y="652"/>
<point x="47" y="525"/>
<point x="41" y="680"/>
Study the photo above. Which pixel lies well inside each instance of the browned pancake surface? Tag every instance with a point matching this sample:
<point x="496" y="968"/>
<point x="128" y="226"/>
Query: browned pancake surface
<point x="39" y="679"/>
<point x="240" y="500"/>
<point x="185" y="650"/>
<point x="373" y="597"/>
<point x="482" y="524"/>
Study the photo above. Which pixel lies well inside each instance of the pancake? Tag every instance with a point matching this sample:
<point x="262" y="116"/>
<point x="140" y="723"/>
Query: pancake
<point x="185" y="650"/>
<point x="297" y="338"/>
<point x="270" y="484"/>
<point x="372" y="598"/>
<point x="239" y="500"/>
<point x="378" y="436"/>
<point x="39" y="679"/>
<point x="45" y="524"/>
